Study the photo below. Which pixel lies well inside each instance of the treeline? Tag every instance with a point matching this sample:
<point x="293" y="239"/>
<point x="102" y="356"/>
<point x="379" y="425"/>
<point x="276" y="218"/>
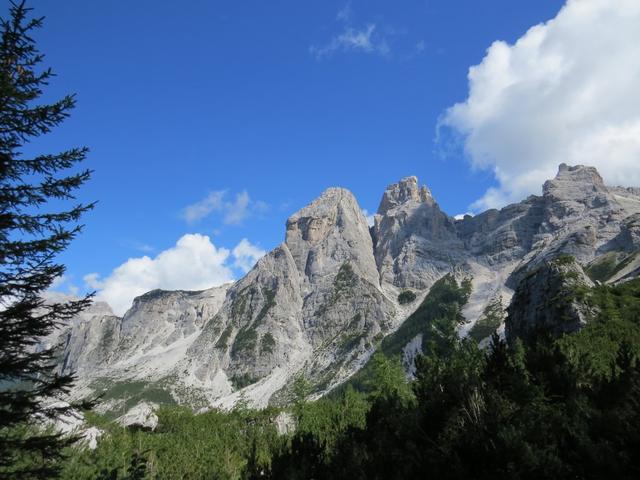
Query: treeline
<point x="554" y="408"/>
<point x="557" y="408"/>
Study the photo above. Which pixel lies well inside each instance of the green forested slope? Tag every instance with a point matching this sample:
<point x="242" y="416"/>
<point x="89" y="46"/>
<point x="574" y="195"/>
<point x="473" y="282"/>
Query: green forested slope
<point x="565" y="407"/>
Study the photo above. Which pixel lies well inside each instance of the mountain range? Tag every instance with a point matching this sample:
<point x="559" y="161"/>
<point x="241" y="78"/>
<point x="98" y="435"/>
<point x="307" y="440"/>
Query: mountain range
<point x="320" y="304"/>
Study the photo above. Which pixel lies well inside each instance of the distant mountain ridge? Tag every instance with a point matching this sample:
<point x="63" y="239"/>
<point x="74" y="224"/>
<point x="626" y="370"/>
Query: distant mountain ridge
<point x="320" y="303"/>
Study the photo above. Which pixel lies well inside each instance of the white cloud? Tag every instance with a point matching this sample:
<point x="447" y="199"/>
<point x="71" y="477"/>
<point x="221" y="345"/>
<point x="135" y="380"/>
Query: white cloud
<point x="194" y="263"/>
<point x="235" y="211"/>
<point x="144" y="247"/>
<point x="460" y="216"/>
<point x="199" y="210"/>
<point x="369" y="217"/>
<point x="58" y="282"/>
<point x="246" y="255"/>
<point x="62" y="283"/>
<point x="92" y="280"/>
<point x="566" y="91"/>
<point x="364" y="40"/>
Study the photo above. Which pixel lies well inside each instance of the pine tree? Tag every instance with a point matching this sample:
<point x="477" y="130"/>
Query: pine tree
<point x="32" y="233"/>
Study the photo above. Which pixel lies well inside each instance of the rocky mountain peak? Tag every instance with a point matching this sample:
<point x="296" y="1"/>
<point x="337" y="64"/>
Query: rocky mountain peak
<point x="406" y="190"/>
<point x="329" y="231"/>
<point x="574" y="183"/>
<point x="327" y="200"/>
<point x="410" y="235"/>
<point x="579" y="173"/>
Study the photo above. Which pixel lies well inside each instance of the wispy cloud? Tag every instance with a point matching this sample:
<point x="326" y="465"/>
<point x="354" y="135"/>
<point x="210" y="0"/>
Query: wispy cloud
<point x="349" y="38"/>
<point x="237" y="210"/>
<point x="199" y="210"/>
<point x="345" y="13"/>
<point x="136" y="245"/>
<point x="144" y="247"/>
<point x="365" y="40"/>
<point x="234" y="211"/>
<point x="349" y="35"/>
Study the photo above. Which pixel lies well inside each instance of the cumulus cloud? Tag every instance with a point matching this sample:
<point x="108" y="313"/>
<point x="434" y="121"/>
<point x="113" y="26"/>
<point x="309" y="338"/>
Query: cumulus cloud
<point x="194" y="263"/>
<point x="566" y="91"/>
<point x="234" y="211"/>
<point x="246" y="255"/>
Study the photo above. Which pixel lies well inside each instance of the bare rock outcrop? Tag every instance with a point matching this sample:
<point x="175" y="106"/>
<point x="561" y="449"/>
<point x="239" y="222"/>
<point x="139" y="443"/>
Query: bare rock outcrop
<point x="140" y="417"/>
<point x="415" y="242"/>
<point x="551" y="300"/>
<point x="313" y="304"/>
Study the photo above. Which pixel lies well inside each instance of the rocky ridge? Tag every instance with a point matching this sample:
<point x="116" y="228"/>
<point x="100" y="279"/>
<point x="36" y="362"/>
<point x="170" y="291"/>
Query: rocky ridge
<point x="319" y="303"/>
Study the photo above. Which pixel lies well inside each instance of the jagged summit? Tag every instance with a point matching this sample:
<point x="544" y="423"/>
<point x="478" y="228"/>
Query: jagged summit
<point x="329" y="231"/>
<point x="579" y="173"/>
<point x="406" y="190"/>
<point x="325" y="204"/>
<point x="410" y="233"/>
<point x="577" y="183"/>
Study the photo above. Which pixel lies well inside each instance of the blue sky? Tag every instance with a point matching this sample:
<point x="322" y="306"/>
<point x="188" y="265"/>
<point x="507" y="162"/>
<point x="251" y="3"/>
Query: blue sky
<point x="249" y="109"/>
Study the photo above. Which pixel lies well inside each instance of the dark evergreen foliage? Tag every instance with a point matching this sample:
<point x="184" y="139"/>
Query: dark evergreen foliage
<point x="555" y="408"/>
<point x="406" y="296"/>
<point x="32" y="233"/>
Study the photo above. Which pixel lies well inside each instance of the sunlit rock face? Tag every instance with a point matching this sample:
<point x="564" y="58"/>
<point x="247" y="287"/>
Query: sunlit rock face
<point x="415" y="242"/>
<point x="319" y="303"/>
<point x="313" y="305"/>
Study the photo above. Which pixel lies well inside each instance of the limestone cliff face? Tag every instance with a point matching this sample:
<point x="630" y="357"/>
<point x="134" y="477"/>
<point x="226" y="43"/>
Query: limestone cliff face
<point x="415" y="242"/>
<point x="581" y="215"/>
<point x="311" y="306"/>
<point x="333" y="252"/>
<point x="328" y="233"/>
<point x="160" y="318"/>
<point x="318" y="304"/>
<point x="497" y="237"/>
<point x="90" y="344"/>
<point x="257" y="331"/>
<point x="144" y="344"/>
